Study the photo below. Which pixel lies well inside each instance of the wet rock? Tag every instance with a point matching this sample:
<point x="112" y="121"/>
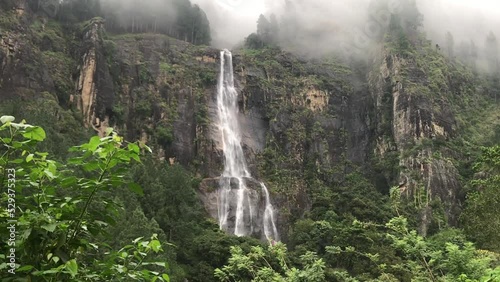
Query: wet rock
<point x="95" y="89"/>
<point x="209" y="194"/>
<point x="417" y="118"/>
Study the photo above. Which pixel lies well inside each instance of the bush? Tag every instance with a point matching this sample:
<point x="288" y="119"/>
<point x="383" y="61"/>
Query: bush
<point x="54" y="212"/>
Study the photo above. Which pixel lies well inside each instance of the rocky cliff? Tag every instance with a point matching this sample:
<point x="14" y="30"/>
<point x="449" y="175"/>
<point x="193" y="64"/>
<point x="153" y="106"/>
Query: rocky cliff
<point x="312" y="129"/>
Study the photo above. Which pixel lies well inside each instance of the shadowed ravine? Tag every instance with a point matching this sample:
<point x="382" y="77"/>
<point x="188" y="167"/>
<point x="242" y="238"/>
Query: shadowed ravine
<point x="236" y="201"/>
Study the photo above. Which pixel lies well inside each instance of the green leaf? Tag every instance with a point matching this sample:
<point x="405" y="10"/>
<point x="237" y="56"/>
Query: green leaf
<point x="133" y="147"/>
<point x="20" y="125"/>
<point x="112" y="163"/>
<point x="68" y="181"/>
<point x="91" y="166"/>
<point x="136" y="158"/>
<point x="94" y="143"/>
<point x="25" y="268"/>
<point x="137" y="240"/>
<point x="5" y="119"/>
<point x="136" y="188"/>
<point x="29" y="158"/>
<point x="146" y="147"/>
<point x="72" y="267"/>
<point x="163" y="264"/>
<point x="165" y="277"/>
<point x="109" y="130"/>
<point x="51" y="227"/>
<point x="35" y="133"/>
<point x="49" y="174"/>
<point x="155" y="245"/>
<point x="50" y="271"/>
<point x="101" y="223"/>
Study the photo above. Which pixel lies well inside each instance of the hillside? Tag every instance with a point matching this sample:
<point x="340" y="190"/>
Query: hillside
<point x="376" y="166"/>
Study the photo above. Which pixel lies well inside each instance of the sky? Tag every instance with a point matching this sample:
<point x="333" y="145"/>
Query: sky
<point x="233" y="20"/>
<point x="465" y="19"/>
<point x="481" y="4"/>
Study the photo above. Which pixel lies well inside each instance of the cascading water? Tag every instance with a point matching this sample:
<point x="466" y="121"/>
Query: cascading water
<point x="237" y="212"/>
<point x="270" y="229"/>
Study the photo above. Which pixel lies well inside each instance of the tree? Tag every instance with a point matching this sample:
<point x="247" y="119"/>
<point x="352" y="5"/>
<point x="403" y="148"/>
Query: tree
<point x="200" y="30"/>
<point x="274" y="29"/>
<point x="412" y="17"/>
<point x="177" y="18"/>
<point x="491" y="52"/>
<point x="450" y="45"/>
<point x="480" y="216"/>
<point x="273" y="264"/>
<point x="75" y="10"/>
<point x="268" y="33"/>
<point x="435" y="259"/>
<point x="397" y="34"/>
<point x="55" y="210"/>
<point x="253" y="41"/>
<point x="289" y="26"/>
<point x="7" y="4"/>
<point x="264" y="29"/>
<point x="263" y="26"/>
<point x="474" y="54"/>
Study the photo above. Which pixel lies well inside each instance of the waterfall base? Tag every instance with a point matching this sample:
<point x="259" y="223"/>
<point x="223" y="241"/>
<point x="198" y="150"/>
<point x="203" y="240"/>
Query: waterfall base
<point x="259" y="224"/>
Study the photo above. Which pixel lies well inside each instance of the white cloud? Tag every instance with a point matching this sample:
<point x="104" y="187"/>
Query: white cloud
<point x="233" y="20"/>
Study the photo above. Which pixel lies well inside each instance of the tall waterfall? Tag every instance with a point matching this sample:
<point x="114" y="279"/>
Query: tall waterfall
<point x="238" y="211"/>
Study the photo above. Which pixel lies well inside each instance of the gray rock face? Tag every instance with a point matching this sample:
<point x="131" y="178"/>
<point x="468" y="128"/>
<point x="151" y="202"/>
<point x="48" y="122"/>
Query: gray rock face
<point x="417" y="121"/>
<point x="22" y="70"/>
<point x="95" y="90"/>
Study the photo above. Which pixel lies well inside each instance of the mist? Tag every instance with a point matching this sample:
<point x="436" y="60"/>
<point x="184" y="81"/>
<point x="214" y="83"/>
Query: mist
<point x="176" y="18"/>
<point x="324" y="26"/>
<point x="466" y="20"/>
<point x="231" y="20"/>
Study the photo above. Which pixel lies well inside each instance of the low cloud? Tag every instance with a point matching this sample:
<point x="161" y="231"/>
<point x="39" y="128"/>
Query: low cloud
<point x="323" y="26"/>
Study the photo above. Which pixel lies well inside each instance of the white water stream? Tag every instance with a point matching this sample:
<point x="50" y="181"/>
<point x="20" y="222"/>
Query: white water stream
<point x="233" y="191"/>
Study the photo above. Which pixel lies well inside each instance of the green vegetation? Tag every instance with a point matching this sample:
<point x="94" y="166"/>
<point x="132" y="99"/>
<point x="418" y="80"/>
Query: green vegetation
<point x="8" y="20"/>
<point x="80" y="217"/>
<point x="59" y="66"/>
<point x="59" y="209"/>
<point x="330" y="246"/>
<point x="64" y="127"/>
<point x="270" y="265"/>
<point x="404" y="256"/>
<point x="480" y="216"/>
<point x="179" y="18"/>
<point x="49" y="35"/>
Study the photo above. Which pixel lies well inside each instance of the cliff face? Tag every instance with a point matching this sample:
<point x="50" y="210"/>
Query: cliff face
<point x="94" y="88"/>
<point x="20" y="56"/>
<point x="310" y="127"/>
<point x="306" y="124"/>
<point x="425" y="104"/>
<point x="164" y="88"/>
<point x="418" y="118"/>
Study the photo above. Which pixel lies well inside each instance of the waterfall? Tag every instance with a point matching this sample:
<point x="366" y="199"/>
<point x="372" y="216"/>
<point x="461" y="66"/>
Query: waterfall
<point x="235" y="200"/>
<point x="270" y="229"/>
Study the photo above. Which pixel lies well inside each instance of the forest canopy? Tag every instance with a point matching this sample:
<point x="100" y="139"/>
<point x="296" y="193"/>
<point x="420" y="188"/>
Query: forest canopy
<point x="176" y="18"/>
